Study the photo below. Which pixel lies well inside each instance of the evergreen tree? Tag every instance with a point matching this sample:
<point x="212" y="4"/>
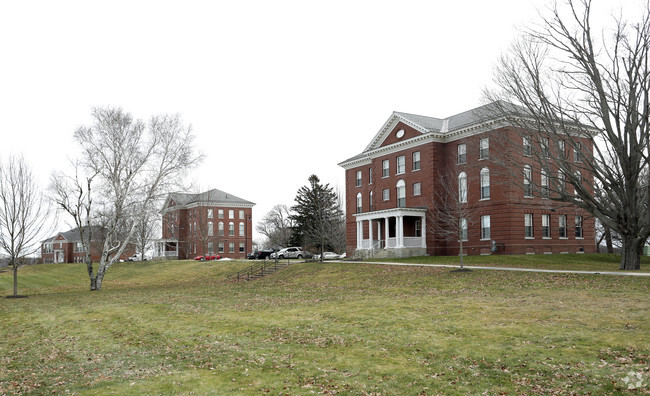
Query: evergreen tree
<point x="317" y="216"/>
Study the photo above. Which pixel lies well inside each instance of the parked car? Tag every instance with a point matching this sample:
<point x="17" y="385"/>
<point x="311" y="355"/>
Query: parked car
<point x="136" y="257"/>
<point x="293" y="252"/>
<point x="207" y="257"/>
<point x="327" y="256"/>
<point x="260" y="254"/>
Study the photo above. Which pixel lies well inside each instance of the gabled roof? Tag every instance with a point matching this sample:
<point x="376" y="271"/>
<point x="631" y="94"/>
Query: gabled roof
<point x="442" y="128"/>
<point x="213" y="197"/>
<point x="73" y="235"/>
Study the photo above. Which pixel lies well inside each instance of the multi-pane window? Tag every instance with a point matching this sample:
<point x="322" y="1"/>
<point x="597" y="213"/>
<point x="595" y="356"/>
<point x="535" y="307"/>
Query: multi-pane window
<point x="401" y="164"/>
<point x="385" y="168"/>
<point x="416" y="161"/>
<point x="546" y="226"/>
<point x="210" y="247"/>
<point x="577" y="184"/>
<point x="528" y="185"/>
<point x="210" y="213"/>
<point x="78" y="247"/>
<point x="562" y="226"/>
<point x="577" y="156"/>
<point x="462" y="154"/>
<point x="241" y="214"/>
<point x="418" y="228"/>
<point x="463" y="228"/>
<point x="544" y="183"/>
<point x="528" y="225"/>
<point x="371" y="201"/>
<point x="241" y="247"/>
<point x="578" y="226"/>
<point x="231" y="214"/>
<point x="561" y="149"/>
<point x="385" y="194"/>
<point x="369" y="175"/>
<point x="194" y="229"/>
<point x="358" y="178"/>
<point x="485" y="183"/>
<point x="231" y="247"/>
<point x="401" y="194"/>
<point x="220" y="247"/>
<point x="417" y="189"/>
<point x="561" y="182"/>
<point x="462" y="187"/>
<point x="231" y="229"/>
<point x="484" y="148"/>
<point x="241" y="229"/>
<point x="220" y="228"/>
<point x="544" y="147"/>
<point x="528" y="148"/>
<point x="359" y="203"/>
<point x="210" y="228"/>
<point x="220" y="213"/>
<point x="485" y="227"/>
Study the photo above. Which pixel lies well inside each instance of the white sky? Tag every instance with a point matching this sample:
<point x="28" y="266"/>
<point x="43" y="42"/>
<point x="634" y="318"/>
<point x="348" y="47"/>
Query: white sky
<point x="275" y="90"/>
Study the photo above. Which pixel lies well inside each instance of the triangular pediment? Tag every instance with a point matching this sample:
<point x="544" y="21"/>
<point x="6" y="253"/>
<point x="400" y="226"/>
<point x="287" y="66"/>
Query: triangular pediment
<point x="403" y="126"/>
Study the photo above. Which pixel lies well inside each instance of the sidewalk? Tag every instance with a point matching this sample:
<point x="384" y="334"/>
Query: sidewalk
<point x="513" y="269"/>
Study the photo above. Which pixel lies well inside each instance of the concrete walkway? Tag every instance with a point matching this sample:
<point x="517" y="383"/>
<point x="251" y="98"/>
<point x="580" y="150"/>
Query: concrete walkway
<point x="512" y="269"/>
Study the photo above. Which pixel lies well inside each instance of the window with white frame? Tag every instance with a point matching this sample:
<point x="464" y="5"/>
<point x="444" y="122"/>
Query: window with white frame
<point x="418" y="228"/>
<point x="220" y="228"/>
<point x="484" y="148"/>
<point x="485" y="183"/>
<point x="220" y="247"/>
<point x="485" y="227"/>
<point x="544" y="147"/>
<point x="78" y="247"/>
<point x="210" y="228"/>
<point x="577" y="184"/>
<point x="561" y="181"/>
<point x="231" y="214"/>
<point x="220" y="213"/>
<point x="577" y="155"/>
<point x="401" y="165"/>
<point x="416" y="161"/>
<point x="561" y="149"/>
<point x="241" y="247"/>
<point x="462" y="154"/>
<point x="528" y="148"/>
<point x="562" y="226"/>
<point x="369" y="175"/>
<point x="401" y="194"/>
<point x="385" y="168"/>
<point x="544" y="183"/>
<point x="241" y="229"/>
<point x="359" y="203"/>
<point x="546" y="226"/>
<point x="231" y="247"/>
<point x="463" y="228"/>
<point x="231" y="229"/>
<point x="371" y="201"/>
<point x="528" y="185"/>
<point x="462" y="187"/>
<point x="528" y="225"/>
<point x="385" y="194"/>
<point x="578" y="226"/>
<point x="194" y="229"/>
<point x="358" y="178"/>
<point x="241" y="214"/>
<point x="417" y="189"/>
<point x="210" y="213"/>
<point x="210" y="247"/>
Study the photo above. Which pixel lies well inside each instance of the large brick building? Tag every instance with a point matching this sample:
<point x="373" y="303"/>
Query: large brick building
<point x="391" y="190"/>
<point x="66" y="247"/>
<point x="212" y="222"/>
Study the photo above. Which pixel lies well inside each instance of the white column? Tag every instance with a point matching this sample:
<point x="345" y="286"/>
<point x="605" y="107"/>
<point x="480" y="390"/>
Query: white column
<point x="424" y="231"/>
<point x="359" y="233"/>
<point x="387" y="223"/>
<point x="400" y="231"/>
<point x="379" y="231"/>
<point x="372" y="234"/>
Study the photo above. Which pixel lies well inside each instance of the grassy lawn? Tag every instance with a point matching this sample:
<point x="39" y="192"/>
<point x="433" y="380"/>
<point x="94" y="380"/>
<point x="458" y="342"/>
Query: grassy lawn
<point x="183" y="327"/>
<point x="574" y="262"/>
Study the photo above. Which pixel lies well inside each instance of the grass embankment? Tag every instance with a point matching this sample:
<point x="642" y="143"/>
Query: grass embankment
<point x="181" y="327"/>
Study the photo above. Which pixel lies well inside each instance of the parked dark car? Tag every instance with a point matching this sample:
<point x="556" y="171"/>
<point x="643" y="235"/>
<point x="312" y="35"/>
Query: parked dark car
<point x="259" y="254"/>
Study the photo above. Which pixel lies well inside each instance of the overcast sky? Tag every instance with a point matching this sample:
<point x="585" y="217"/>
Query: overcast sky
<point x="274" y="90"/>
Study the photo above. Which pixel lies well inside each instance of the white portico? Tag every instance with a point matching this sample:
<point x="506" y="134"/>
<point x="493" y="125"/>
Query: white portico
<point x="398" y="232"/>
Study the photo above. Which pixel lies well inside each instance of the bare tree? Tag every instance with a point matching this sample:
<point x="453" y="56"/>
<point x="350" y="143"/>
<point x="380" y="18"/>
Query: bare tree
<point x="582" y="91"/>
<point x="23" y="214"/>
<point x="277" y="225"/>
<point x="147" y="230"/>
<point x="135" y="164"/>
<point x="73" y="195"/>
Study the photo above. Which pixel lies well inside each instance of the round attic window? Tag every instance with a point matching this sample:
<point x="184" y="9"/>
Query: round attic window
<point x="400" y="134"/>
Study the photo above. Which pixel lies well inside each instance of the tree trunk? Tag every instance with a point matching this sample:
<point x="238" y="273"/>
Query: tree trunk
<point x="461" y="251"/>
<point x="15" y="280"/>
<point x="631" y="254"/>
<point x="608" y="240"/>
<point x="93" y="279"/>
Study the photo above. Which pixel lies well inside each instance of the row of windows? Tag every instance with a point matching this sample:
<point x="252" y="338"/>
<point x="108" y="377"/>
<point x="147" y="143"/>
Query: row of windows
<point x="562" y="232"/>
<point x="484" y="182"/>
<point x="546" y="226"/>
<point x="545" y="181"/>
<point x="220" y="213"/>
<point x="221" y="247"/>
<point x="231" y="229"/>
<point x="385" y="194"/>
<point x="400" y="168"/>
<point x="484" y="149"/>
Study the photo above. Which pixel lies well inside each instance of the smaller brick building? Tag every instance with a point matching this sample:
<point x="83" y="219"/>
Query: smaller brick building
<point x="66" y="247"/>
<point x="212" y="222"/>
